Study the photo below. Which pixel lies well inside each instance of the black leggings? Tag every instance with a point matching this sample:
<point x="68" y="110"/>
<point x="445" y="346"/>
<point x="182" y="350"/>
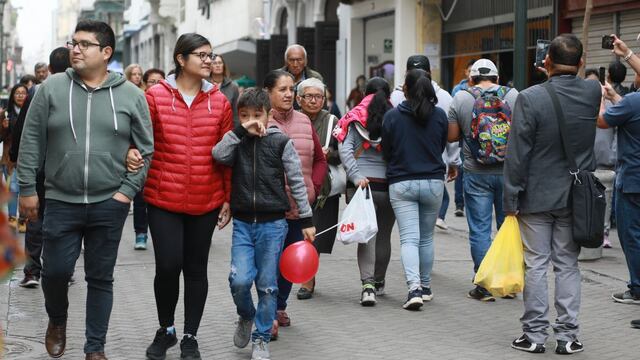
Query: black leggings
<point x="181" y="243"/>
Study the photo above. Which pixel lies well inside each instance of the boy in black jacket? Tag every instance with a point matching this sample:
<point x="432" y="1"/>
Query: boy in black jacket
<point x="260" y="158"/>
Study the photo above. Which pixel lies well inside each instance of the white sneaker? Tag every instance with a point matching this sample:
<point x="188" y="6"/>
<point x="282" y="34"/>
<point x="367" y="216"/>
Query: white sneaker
<point x="260" y="350"/>
<point x="440" y="224"/>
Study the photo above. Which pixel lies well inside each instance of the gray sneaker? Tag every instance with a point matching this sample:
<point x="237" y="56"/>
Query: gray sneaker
<point x="260" y="350"/>
<point x="243" y="333"/>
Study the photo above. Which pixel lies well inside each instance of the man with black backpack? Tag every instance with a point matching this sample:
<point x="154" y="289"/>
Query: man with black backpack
<point x="551" y="149"/>
<point x="481" y="116"/>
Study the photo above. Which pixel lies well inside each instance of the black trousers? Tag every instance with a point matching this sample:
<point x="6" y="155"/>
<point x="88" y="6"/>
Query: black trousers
<point x="181" y="244"/>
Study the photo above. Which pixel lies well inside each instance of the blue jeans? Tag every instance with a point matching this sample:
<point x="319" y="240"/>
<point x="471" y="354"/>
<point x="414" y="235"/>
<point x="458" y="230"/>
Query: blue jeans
<point x="255" y="254"/>
<point x="629" y="233"/>
<point x="482" y="197"/>
<point x="64" y="228"/>
<point x="293" y="235"/>
<point x="12" y="204"/>
<point x="416" y="204"/>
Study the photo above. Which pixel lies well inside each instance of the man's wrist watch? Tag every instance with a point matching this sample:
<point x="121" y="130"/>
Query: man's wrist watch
<point x="629" y="55"/>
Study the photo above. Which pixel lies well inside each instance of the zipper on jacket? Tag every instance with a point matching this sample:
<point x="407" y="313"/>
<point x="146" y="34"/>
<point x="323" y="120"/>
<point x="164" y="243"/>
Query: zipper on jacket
<point x="87" y="147"/>
<point x="255" y="214"/>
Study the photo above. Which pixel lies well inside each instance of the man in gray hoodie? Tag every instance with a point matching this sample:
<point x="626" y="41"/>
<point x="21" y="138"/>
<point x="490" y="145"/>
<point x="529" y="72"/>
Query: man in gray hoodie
<point x="80" y="125"/>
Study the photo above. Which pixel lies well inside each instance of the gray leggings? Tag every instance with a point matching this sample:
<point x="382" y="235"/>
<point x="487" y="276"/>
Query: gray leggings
<point x="373" y="257"/>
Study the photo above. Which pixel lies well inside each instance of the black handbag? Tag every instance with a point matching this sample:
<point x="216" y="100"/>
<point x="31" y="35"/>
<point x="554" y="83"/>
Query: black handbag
<point x="587" y="199"/>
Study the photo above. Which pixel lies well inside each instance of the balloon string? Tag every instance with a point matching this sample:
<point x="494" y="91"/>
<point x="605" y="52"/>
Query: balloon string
<point x="327" y="230"/>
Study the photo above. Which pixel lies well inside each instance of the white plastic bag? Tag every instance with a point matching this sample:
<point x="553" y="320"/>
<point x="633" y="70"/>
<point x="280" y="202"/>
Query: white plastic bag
<point x="358" y="223"/>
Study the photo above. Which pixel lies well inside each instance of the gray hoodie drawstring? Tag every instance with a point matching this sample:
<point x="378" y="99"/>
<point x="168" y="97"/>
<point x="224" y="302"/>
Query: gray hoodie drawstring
<point x="71" y="111"/>
<point x="209" y="103"/>
<point x="113" y="108"/>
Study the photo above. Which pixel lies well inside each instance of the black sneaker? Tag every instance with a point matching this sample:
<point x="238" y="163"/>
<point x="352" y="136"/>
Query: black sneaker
<point x="414" y="300"/>
<point x="459" y="212"/>
<point x="568" y="347"/>
<point x="161" y="343"/>
<point x="189" y="348"/>
<point x="29" y="281"/>
<point x="427" y="295"/>
<point x="626" y="298"/>
<point x="480" y="293"/>
<point x="379" y="285"/>
<point x="635" y="324"/>
<point x="524" y="344"/>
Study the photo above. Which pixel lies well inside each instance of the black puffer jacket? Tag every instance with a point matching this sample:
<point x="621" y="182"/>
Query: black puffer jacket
<point x="259" y="186"/>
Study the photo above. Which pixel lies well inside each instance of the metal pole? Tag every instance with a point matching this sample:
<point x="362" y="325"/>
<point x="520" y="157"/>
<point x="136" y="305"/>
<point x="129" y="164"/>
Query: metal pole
<point x="520" y="65"/>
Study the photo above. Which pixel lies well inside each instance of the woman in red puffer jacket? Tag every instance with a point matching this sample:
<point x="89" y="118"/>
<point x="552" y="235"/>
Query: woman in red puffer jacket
<point x="186" y="191"/>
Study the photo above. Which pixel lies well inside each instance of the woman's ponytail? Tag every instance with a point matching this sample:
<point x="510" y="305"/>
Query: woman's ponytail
<point x="378" y="107"/>
<point x="421" y="95"/>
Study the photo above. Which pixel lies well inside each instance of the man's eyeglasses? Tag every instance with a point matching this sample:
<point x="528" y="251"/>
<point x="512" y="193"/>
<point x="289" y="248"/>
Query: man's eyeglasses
<point x="309" y="97"/>
<point x="82" y="44"/>
<point x="203" y="55"/>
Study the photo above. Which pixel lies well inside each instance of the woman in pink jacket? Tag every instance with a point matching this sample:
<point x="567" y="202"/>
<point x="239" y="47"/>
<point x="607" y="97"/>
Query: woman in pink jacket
<point x="298" y="127"/>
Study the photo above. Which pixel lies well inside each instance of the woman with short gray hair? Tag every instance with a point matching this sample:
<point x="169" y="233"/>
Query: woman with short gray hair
<point x="311" y="95"/>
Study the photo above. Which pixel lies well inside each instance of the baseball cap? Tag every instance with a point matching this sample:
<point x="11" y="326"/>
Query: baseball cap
<point x="484" y="67"/>
<point x="418" y="62"/>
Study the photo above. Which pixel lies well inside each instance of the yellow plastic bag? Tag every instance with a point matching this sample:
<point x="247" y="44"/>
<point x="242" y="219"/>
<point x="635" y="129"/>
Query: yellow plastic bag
<point x="502" y="270"/>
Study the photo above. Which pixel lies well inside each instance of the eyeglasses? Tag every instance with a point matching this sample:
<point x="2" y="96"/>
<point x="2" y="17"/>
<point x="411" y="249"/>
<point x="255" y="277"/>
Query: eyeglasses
<point x="82" y="44"/>
<point x="295" y="60"/>
<point x="309" y="97"/>
<point x="203" y="55"/>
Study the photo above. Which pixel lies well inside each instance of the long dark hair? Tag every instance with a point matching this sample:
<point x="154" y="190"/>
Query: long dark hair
<point x="421" y="96"/>
<point x="379" y="105"/>
<point x="272" y="78"/>
<point x="11" y="104"/>
<point x="185" y="45"/>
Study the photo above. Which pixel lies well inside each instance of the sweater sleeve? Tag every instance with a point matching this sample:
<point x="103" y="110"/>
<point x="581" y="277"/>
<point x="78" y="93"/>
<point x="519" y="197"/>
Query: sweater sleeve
<point x="225" y="152"/>
<point x="319" y="170"/>
<point x="347" y="149"/>
<point x="295" y="181"/>
<point x="33" y="142"/>
<point x="141" y="139"/>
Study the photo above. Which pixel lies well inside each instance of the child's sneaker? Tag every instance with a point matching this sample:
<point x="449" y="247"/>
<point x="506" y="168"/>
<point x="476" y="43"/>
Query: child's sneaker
<point x="161" y="343"/>
<point x="368" y="297"/>
<point x="243" y="333"/>
<point x="260" y="350"/>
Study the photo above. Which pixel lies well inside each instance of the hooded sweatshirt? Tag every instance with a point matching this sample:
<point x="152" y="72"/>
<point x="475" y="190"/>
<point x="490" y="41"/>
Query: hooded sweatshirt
<point x="413" y="151"/>
<point x="84" y="135"/>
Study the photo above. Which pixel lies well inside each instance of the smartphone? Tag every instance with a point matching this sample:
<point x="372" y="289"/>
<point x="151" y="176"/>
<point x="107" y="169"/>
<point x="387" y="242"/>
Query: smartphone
<point x="607" y="42"/>
<point x="601" y="73"/>
<point x="542" y="47"/>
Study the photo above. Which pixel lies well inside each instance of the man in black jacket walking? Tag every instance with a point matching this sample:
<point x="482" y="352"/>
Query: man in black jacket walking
<point x="58" y="62"/>
<point x="537" y="184"/>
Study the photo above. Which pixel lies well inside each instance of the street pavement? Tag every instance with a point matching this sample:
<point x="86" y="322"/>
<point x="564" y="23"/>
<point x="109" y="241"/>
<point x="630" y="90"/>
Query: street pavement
<point x="333" y="325"/>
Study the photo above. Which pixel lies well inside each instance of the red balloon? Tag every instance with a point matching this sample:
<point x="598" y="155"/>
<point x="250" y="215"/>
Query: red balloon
<point x="299" y="262"/>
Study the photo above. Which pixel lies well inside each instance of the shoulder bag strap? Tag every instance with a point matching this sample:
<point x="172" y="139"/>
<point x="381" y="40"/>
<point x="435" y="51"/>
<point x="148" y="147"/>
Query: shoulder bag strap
<point x="562" y="124"/>
<point x="329" y="130"/>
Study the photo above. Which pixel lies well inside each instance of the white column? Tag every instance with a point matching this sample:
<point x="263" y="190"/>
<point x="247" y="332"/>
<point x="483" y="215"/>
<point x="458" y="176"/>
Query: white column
<point x="404" y="36"/>
<point x="292" y="15"/>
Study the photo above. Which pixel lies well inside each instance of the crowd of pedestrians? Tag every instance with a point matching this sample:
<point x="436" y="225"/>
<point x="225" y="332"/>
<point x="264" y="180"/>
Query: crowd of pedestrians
<point x="192" y="152"/>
